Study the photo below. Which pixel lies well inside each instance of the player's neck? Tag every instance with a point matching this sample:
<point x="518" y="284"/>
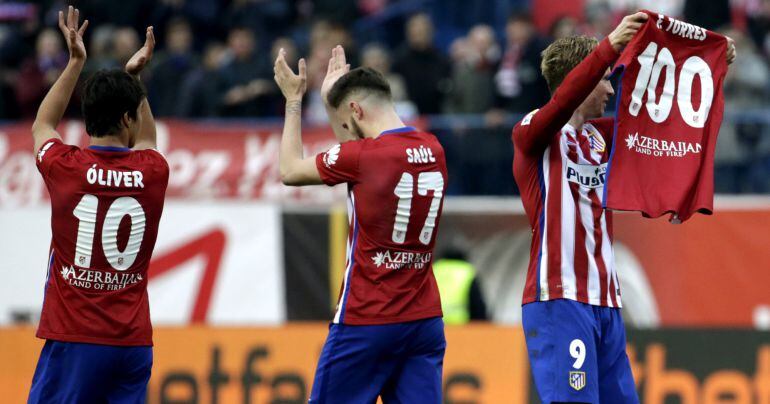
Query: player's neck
<point x="387" y="121"/>
<point x="113" y="141"/>
<point x="578" y="119"/>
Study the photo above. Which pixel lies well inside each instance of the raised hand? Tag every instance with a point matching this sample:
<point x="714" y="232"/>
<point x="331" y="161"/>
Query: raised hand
<point x="73" y="33"/>
<point x="338" y="67"/>
<point x="730" y="50"/>
<point x="293" y="86"/>
<point x="143" y="56"/>
<point x="625" y="31"/>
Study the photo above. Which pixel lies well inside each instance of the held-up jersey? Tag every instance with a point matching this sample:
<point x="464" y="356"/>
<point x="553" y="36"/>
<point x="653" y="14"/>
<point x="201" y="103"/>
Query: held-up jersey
<point x="560" y="171"/>
<point x="669" y="113"/>
<point x="106" y="204"/>
<point x="396" y="184"/>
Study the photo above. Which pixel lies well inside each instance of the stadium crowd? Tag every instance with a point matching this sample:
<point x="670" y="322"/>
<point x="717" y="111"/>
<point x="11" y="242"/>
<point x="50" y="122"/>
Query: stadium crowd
<point x="214" y="58"/>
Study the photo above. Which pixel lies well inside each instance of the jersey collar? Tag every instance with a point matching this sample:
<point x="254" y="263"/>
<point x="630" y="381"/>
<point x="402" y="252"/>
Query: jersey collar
<point x="405" y="129"/>
<point x="109" y="148"/>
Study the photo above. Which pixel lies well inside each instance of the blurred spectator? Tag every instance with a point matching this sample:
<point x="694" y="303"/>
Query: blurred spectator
<point x="38" y="74"/>
<point x="520" y="86"/>
<point x="600" y="18"/>
<point x="100" y="50"/>
<point x="563" y="27"/>
<point x="171" y="67"/>
<point x="743" y="146"/>
<point x="125" y="42"/>
<point x="199" y="93"/>
<point x="247" y="79"/>
<point x="425" y="69"/>
<point x="377" y="57"/>
<point x="475" y="60"/>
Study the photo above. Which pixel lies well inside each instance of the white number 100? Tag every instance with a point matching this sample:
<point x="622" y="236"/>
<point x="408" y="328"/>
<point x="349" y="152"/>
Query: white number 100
<point x="86" y="214"/>
<point x="647" y="81"/>
<point x="430" y="181"/>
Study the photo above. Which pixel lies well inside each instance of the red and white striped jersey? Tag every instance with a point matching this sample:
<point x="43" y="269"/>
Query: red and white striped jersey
<point x="560" y="171"/>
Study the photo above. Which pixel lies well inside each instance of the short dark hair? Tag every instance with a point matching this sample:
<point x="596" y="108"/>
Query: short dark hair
<point x="360" y="78"/>
<point x="107" y="96"/>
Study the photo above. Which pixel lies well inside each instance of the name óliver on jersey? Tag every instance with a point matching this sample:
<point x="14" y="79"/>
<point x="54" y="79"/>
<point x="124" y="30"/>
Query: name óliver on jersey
<point x="668" y="118"/>
<point x="106" y="205"/>
<point x="396" y="184"/>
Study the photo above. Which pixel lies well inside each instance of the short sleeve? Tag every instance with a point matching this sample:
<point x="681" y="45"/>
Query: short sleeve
<point x="340" y="163"/>
<point x="52" y="151"/>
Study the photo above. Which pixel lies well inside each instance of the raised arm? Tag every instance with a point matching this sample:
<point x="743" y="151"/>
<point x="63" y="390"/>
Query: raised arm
<point x="294" y="168"/>
<point x="577" y="86"/>
<point x="146" y="139"/>
<point x="338" y="67"/>
<point x="55" y="102"/>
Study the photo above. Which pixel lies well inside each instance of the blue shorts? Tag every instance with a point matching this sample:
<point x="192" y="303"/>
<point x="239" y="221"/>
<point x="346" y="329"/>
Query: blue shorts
<point x="578" y="353"/>
<point x="75" y="373"/>
<point x="400" y="362"/>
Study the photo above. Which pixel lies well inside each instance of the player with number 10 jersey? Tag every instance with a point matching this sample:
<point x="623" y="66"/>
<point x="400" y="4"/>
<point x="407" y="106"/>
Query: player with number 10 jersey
<point x="106" y="204"/>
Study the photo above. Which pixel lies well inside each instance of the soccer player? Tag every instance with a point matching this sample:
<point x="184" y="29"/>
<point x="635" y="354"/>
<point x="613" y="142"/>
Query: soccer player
<point x="106" y="203"/>
<point x="571" y="307"/>
<point x="387" y="336"/>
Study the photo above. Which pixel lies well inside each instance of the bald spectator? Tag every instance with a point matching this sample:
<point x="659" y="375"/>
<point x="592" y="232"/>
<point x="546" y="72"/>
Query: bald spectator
<point x="475" y="59"/>
<point x="125" y="42"/>
<point x="425" y="69"/>
<point x="100" y="50"/>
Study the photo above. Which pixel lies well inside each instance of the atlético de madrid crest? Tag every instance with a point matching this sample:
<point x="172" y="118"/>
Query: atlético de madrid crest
<point x="577" y="380"/>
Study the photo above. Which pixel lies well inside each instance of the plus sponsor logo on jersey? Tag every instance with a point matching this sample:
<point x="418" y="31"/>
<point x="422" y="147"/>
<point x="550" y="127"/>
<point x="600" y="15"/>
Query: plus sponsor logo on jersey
<point x="331" y="156"/>
<point x="398" y="260"/>
<point x="98" y="280"/>
<point x="420" y="155"/>
<point x="586" y="175"/>
<point x="661" y="147"/>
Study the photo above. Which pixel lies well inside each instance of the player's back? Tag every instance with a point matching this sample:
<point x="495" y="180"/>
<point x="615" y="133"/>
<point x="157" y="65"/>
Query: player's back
<point x="396" y="185"/>
<point x="106" y="204"/>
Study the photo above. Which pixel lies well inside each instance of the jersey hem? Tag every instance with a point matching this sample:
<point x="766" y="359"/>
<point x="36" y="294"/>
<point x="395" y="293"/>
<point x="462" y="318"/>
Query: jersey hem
<point x="93" y="340"/>
<point x="528" y="300"/>
<point x="391" y="320"/>
<point x="702" y="209"/>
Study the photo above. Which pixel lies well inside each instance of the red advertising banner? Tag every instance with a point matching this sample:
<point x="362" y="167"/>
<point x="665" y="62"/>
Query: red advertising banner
<point x="207" y="160"/>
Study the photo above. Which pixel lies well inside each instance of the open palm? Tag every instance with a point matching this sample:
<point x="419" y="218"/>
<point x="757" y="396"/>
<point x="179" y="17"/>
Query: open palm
<point x="143" y="56"/>
<point x="73" y="32"/>
<point x="338" y="67"/>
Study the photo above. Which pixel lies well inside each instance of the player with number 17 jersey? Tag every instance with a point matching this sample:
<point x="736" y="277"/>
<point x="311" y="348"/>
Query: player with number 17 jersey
<point x="396" y="183"/>
<point x="106" y="204"/>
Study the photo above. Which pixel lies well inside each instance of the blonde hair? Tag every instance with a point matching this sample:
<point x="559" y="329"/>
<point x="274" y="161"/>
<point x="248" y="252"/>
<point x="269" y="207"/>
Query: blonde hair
<point x="560" y="57"/>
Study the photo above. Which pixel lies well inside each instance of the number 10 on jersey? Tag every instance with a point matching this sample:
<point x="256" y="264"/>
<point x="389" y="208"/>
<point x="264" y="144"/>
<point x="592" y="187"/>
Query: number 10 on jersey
<point x="428" y="181"/>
